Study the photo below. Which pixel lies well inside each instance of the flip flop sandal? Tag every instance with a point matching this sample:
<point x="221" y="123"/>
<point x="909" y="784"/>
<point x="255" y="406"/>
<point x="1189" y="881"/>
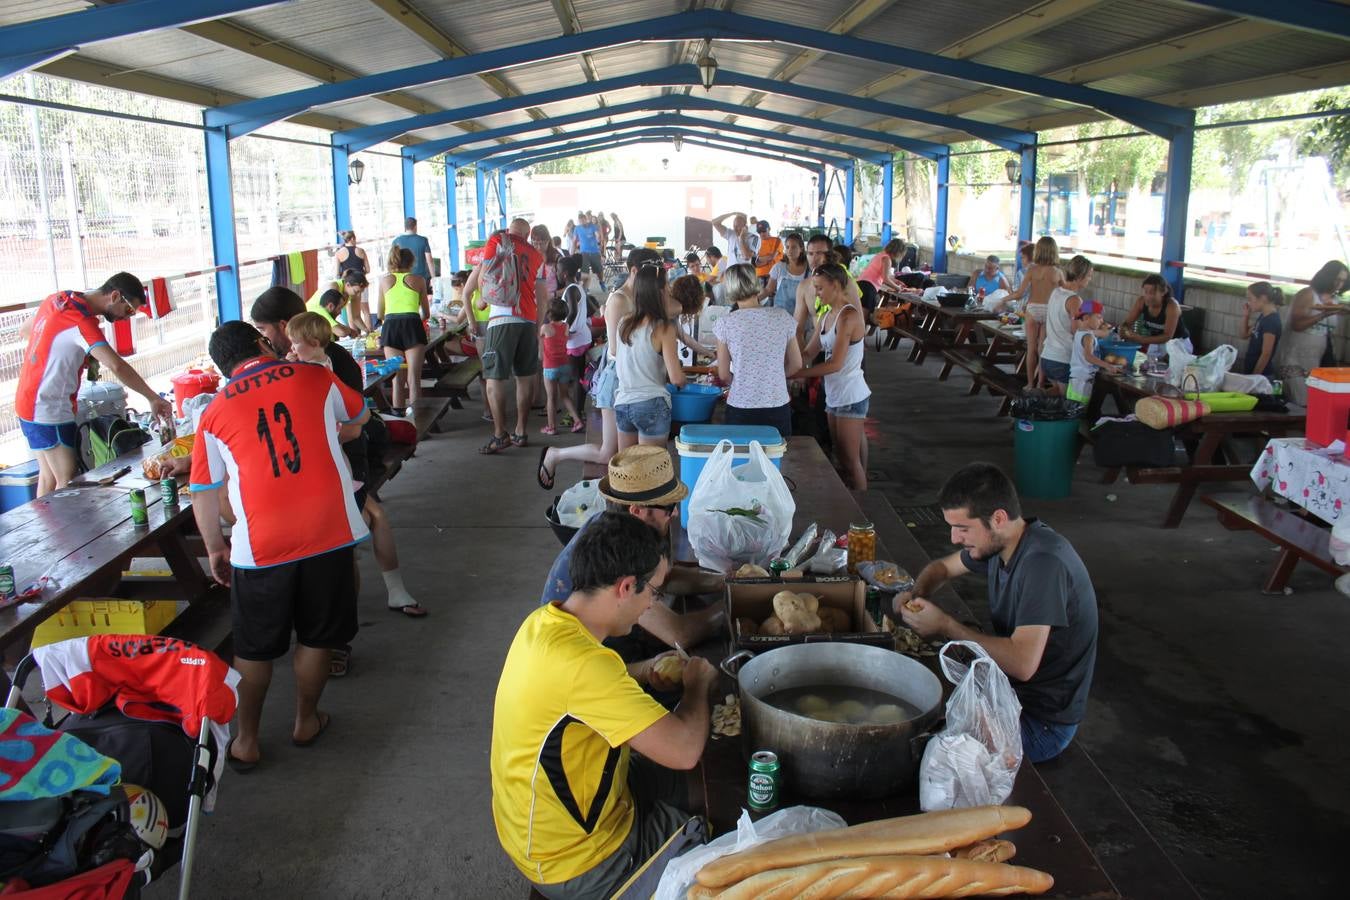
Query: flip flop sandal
<point x="421" y="611"/>
<point x="539" y="473"/>
<point x="341" y="662"/>
<point x="241" y="766"/>
<point x="519" y="440"/>
<point x="578" y="427"/>
<point x="496" y="445"/>
<point x="324" y="720"/>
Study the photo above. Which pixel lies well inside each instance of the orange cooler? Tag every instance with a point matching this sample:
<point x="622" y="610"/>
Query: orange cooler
<point x="1328" y="405"/>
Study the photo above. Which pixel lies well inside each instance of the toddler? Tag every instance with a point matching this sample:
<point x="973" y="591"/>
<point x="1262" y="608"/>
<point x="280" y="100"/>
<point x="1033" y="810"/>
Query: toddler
<point x="310" y="334"/>
<point x="1088" y="327"/>
<point x="559" y="370"/>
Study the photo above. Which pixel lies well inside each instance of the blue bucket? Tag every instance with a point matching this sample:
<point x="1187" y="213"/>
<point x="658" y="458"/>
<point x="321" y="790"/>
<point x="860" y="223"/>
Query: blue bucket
<point x="693" y="402"/>
<point x="1123" y="349"/>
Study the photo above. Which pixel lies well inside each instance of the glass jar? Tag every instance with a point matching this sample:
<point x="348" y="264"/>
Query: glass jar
<point x="862" y="545"/>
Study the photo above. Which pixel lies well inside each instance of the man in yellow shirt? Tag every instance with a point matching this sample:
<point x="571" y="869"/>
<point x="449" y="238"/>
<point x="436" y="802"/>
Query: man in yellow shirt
<point x="571" y="812"/>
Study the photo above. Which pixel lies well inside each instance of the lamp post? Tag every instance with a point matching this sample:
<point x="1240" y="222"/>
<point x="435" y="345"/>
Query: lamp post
<point x="356" y="170"/>
<point x="707" y="70"/>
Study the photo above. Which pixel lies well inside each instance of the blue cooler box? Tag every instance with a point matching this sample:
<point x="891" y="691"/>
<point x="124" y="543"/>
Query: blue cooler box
<point x="697" y="442"/>
<point x="18" y="485"/>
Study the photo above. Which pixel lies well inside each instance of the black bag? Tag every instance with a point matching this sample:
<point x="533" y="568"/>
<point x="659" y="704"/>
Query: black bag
<point x="108" y="437"/>
<point x="1131" y="444"/>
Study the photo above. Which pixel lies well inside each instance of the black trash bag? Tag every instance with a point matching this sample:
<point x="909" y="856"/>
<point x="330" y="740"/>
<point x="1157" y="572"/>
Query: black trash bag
<point x="1042" y="407"/>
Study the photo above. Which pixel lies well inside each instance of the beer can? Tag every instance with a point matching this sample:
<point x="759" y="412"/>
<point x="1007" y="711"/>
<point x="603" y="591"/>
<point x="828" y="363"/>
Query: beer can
<point x="138" y="514"/>
<point x="764" y="780"/>
<point x="7" y="586"/>
<point x="777" y="566"/>
<point x="168" y="491"/>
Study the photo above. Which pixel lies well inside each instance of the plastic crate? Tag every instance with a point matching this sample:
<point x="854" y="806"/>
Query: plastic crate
<point x="82" y="618"/>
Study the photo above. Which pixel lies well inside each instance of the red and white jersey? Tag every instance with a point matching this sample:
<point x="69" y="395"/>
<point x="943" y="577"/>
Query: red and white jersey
<point x="64" y="332"/>
<point x="273" y="430"/>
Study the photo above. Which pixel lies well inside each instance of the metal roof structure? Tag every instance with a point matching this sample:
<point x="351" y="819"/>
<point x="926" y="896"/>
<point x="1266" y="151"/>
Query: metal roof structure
<point x="493" y="82"/>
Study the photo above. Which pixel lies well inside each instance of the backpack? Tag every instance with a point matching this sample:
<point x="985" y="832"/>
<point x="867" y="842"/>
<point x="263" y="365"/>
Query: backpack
<point x="108" y="437"/>
<point x="502" y="274"/>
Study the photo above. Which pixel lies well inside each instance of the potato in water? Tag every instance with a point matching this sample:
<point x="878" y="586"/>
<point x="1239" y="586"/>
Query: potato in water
<point x="887" y="714"/>
<point x="810" y="704"/>
<point x="671" y="668"/>
<point x="851" y="711"/>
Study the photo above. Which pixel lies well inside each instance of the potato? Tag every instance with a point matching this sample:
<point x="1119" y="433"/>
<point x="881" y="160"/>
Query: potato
<point x="750" y="570"/>
<point x="887" y="714"/>
<point x="833" y="619"/>
<point x="811" y="601"/>
<point x="792" y="610"/>
<point x="810" y="704"/>
<point x="851" y="711"/>
<point x="671" y="668"/>
<point x="746" y="627"/>
<point x="771" y="626"/>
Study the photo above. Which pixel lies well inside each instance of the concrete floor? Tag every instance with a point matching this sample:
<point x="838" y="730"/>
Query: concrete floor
<point x="1212" y="761"/>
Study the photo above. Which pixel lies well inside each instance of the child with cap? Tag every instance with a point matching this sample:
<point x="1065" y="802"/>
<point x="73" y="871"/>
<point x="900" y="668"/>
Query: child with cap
<point x="1087" y="327"/>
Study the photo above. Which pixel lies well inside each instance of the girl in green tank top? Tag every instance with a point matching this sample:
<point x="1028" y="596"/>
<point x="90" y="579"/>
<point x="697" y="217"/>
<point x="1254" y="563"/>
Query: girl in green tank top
<point x="403" y="308"/>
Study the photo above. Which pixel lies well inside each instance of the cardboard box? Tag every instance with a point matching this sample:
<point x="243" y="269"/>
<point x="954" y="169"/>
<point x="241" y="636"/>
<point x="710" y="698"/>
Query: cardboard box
<point x="753" y="599"/>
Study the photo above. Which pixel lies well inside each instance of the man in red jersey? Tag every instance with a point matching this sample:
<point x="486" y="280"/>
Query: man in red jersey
<point x="272" y="437"/>
<point x="61" y="337"/>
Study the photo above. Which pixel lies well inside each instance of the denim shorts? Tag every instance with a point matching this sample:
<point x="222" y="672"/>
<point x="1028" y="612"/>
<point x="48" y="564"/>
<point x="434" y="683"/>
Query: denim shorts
<point x="49" y="437"/>
<point x="561" y="373"/>
<point x="851" y="411"/>
<point x="1058" y="372"/>
<point x="604" y="386"/>
<point x="649" y="418"/>
<point x="1043" y="741"/>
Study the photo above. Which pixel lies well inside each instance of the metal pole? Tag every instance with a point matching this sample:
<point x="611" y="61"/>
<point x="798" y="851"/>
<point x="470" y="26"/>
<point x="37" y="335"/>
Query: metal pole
<point x="821" y="188"/>
<point x="44" y="198"/>
<point x="224" y="249"/>
<point x="850" y="185"/>
<point x="887" y="200"/>
<point x="73" y="212"/>
<point x="409" y="188"/>
<point x="501" y="194"/>
<point x="944" y="172"/>
<point x="452" y="217"/>
<point x="480" y="196"/>
<point x="1026" y="212"/>
<point x="342" y="189"/>
<point x="1175" y="201"/>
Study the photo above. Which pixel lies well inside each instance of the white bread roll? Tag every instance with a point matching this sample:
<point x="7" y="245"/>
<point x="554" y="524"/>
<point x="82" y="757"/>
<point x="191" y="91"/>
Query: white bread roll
<point x="898" y="877"/>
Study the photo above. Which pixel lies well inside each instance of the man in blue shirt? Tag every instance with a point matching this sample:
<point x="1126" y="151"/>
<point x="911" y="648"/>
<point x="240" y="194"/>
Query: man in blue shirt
<point x="419" y="246"/>
<point x="588" y="242"/>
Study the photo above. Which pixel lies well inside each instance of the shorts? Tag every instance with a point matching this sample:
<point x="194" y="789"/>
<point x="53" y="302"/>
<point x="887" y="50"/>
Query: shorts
<point x="1036" y="312"/>
<point x="315" y="597"/>
<point x="1080" y="390"/>
<point x="605" y="385"/>
<point x="403" y="331"/>
<point x="1042" y="741"/>
<point x="49" y="437"/>
<point x="1058" y="372"/>
<point x="779" y="417"/>
<point x="510" y="350"/>
<point x="565" y="373"/>
<point x="648" y="418"/>
<point x="850" y="411"/>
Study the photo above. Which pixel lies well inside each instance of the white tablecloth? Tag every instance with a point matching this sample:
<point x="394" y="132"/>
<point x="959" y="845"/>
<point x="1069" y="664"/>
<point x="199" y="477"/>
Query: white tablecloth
<point x="1315" y="478"/>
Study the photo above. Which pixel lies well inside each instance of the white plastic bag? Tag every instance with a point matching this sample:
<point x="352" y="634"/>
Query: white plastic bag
<point x="993" y="301"/>
<point x="680" y="871"/>
<point x="934" y="292"/>
<point x="974" y="760"/>
<point x="739" y="515"/>
<point x="579" y="502"/>
<point x="1247" y="384"/>
<point x="1209" y="369"/>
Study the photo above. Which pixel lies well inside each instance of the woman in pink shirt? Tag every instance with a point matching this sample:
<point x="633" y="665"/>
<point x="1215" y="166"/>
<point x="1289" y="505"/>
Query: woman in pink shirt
<point x="879" y="269"/>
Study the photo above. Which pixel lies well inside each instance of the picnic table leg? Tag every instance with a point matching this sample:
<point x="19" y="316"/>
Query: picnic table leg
<point x="381" y="398"/>
<point x="1279" y="576"/>
<point x="962" y="336"/>
<point x="186" y="571"/>
<point x="1204" y="455"/>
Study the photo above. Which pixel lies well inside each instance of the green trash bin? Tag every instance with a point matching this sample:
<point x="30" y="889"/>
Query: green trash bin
<point x="1045" y="453"/>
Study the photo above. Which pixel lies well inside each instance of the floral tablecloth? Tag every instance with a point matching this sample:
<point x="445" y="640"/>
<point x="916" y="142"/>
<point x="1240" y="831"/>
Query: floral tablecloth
<point x="1315" y="478"/>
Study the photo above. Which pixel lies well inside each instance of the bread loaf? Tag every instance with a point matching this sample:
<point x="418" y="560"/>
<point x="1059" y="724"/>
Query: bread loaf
<point x="987" y="851"/>
<point x="699" y="892"/>
<point x="934" y="832"/>
<point x="896" y="877"/>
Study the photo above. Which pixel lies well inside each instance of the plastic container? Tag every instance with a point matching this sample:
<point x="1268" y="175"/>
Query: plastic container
<point x="18" y="485"/>
<point x="693" y="402"/>
<point x="1225" y="401"/>
<point x="1328" y="405"/>
<point x="697" y="442"/>
<point x="190" y="384"/>
<point x="1045" y="453"/>
<point x="1123" y="349"/>
<point x="82" y="618"/>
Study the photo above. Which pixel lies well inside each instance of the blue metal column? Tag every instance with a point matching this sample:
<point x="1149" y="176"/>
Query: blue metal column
<point x="887" y="198"/>
<point x="1026" y="207"/>
<point x="501" y="193"/>
<point x="224" y="249"/>
<point x="342" y="199"/>
<point x="480" y="195"/>
<point x="409" y="187"/>
<point x="1175" y="201"/>
<point x="452" y="217"/>
<point x="944" y="174"/>
<point x="849" y="185"/>
<point x="820" y="199"/>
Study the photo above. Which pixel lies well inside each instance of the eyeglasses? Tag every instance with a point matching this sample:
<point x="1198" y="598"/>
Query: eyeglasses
<point x="131" y="307"/>
<point x="669" y="508"/>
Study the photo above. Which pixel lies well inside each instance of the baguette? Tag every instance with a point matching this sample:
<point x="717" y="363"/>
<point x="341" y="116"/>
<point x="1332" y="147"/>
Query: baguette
<point x="987" y="851"/>
<point x="897" y="877"/>
<point x="699" y="892"/>
<point x="934" y="832"/>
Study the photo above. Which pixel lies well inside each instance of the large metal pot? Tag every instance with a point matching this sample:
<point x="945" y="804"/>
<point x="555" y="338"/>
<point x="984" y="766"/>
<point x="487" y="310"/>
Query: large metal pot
<point x="836" y="759"/>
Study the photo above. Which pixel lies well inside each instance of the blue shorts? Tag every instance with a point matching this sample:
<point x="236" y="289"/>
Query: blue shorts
<point x="1057" y="372"/>
<point x="49" y="437"/>
<point x="562" y="373"/>
<point x="1043" y="741"/>
<point x="604" y="386"/>
<point x="851" y="411"/>
<point x="648" y="418"/>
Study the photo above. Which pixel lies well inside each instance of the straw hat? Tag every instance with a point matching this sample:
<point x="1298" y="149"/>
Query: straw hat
<point x="644" y="475"/>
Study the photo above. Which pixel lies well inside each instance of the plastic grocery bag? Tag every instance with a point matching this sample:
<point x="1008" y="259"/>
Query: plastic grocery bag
<point x="993" y="301"/>
<point x="579" y="502"/>
<point x="739" y="515"/>
<point x="973" y="761"/>
<point x="1209" y="369"/>
<point x="680" y="872"/>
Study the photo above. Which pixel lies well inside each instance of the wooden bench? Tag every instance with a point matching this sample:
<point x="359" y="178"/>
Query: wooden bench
<point x="454" y="382"/>
<point x="1298" y="538"/>
<point x="985" y="375"/>
<point x="427" y="412"/>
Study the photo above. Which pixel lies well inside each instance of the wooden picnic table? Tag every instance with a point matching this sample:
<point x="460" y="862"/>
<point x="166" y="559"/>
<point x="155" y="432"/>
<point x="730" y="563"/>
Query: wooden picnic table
<point x="1050" y="842"/>
<point x="938" y="327"/>
<point x="1214" y="453"/>
<point x="1006" y="343"/>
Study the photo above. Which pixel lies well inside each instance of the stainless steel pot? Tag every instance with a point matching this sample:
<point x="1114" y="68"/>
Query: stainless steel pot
<point x="836" y="759"/>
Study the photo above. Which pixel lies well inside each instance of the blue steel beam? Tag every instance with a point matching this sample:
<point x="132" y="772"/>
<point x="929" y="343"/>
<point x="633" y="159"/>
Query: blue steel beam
<point x="342" y="198"/>
<point x="659" y="136"/>
<point x="452" y="217"/>
<point x="501" y="194"/>
<point x="409" y="182"/>
<point x="1317" y="16"/>
<point x="685" y="74"/>
<point x="944" y="175"/>
<point x="677" y="102"/>
<point x="251" y="114"/>
<point x="822" y="187"/>
<point x="20" y="63"/>
<point x="850" y="186"/>
<point x="666" y="133"/>
<point x="1026" y="207"/>
<point x="631" y="141"/>
<point x="677" y="119"/>
<point x="480" y="198"/>
<point x="1175" y="200"/>
<point x="224" y="248"/>
<point x="887" y="200"/>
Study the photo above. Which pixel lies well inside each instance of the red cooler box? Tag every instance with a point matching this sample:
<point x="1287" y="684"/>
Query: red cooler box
<point x="1328" y="405"/>
<point x="190" y="384"/>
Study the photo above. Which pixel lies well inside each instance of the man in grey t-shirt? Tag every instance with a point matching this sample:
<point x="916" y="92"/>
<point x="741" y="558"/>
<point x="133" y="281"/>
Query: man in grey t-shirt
<point x="1041" y="602"/>
<point x="419" y="246"/>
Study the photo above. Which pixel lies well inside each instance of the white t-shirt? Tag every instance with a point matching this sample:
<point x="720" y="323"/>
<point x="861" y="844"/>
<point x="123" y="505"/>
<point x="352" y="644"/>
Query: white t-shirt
<point x="757" y="340"/>
<point x="1058" y="328"/>
<point x="734" y="256"/>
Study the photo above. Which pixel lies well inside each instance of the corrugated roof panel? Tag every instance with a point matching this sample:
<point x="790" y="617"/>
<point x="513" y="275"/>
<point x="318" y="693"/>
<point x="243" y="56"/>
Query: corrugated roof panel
<point x="836" y="73"/>
<point x="1273" y="55"/>
<point x="186" y="57"/>
<point x="490" y="24"/>
<point x="593" y="14"/>
<point x="366" y="110"/>
<point x="456" y="93"/>
<point x="806" y="13"/>
<point x="13" y="12"/>
<point x="932" y="26"/>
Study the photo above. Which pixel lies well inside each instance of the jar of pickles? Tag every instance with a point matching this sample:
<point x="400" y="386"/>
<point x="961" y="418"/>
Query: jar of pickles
<point x="862" y="545"/>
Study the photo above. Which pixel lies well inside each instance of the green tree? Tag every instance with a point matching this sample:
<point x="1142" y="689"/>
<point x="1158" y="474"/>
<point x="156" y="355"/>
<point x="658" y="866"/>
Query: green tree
<point x="1330" y="136"/>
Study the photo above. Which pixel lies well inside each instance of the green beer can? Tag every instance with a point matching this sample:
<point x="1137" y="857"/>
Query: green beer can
<point x="764" y="781"/>
<point x="168" y="491"/>
<point x="138" y="514"/>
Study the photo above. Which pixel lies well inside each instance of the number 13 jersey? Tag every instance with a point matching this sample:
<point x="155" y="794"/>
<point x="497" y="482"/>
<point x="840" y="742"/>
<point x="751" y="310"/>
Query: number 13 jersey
<point x="273" y="431"/>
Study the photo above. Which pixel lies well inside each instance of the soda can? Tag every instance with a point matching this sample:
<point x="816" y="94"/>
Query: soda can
<point x="764" y="780"/>
<point x="138" y="514"/>
<point x="777" y="566"/>
<point x="7" y="586"/>
<point x="168" y="491"/>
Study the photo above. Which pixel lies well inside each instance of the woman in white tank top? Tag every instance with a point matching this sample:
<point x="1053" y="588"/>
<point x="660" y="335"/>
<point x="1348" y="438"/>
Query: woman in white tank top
<point x="1060" y="312"/>
<point x="846" y="392"/>
<point x="646" y="354"/>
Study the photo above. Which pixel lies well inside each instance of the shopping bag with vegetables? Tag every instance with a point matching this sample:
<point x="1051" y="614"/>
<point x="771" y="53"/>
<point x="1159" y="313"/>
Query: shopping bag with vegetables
<point x="739" y="515"/>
